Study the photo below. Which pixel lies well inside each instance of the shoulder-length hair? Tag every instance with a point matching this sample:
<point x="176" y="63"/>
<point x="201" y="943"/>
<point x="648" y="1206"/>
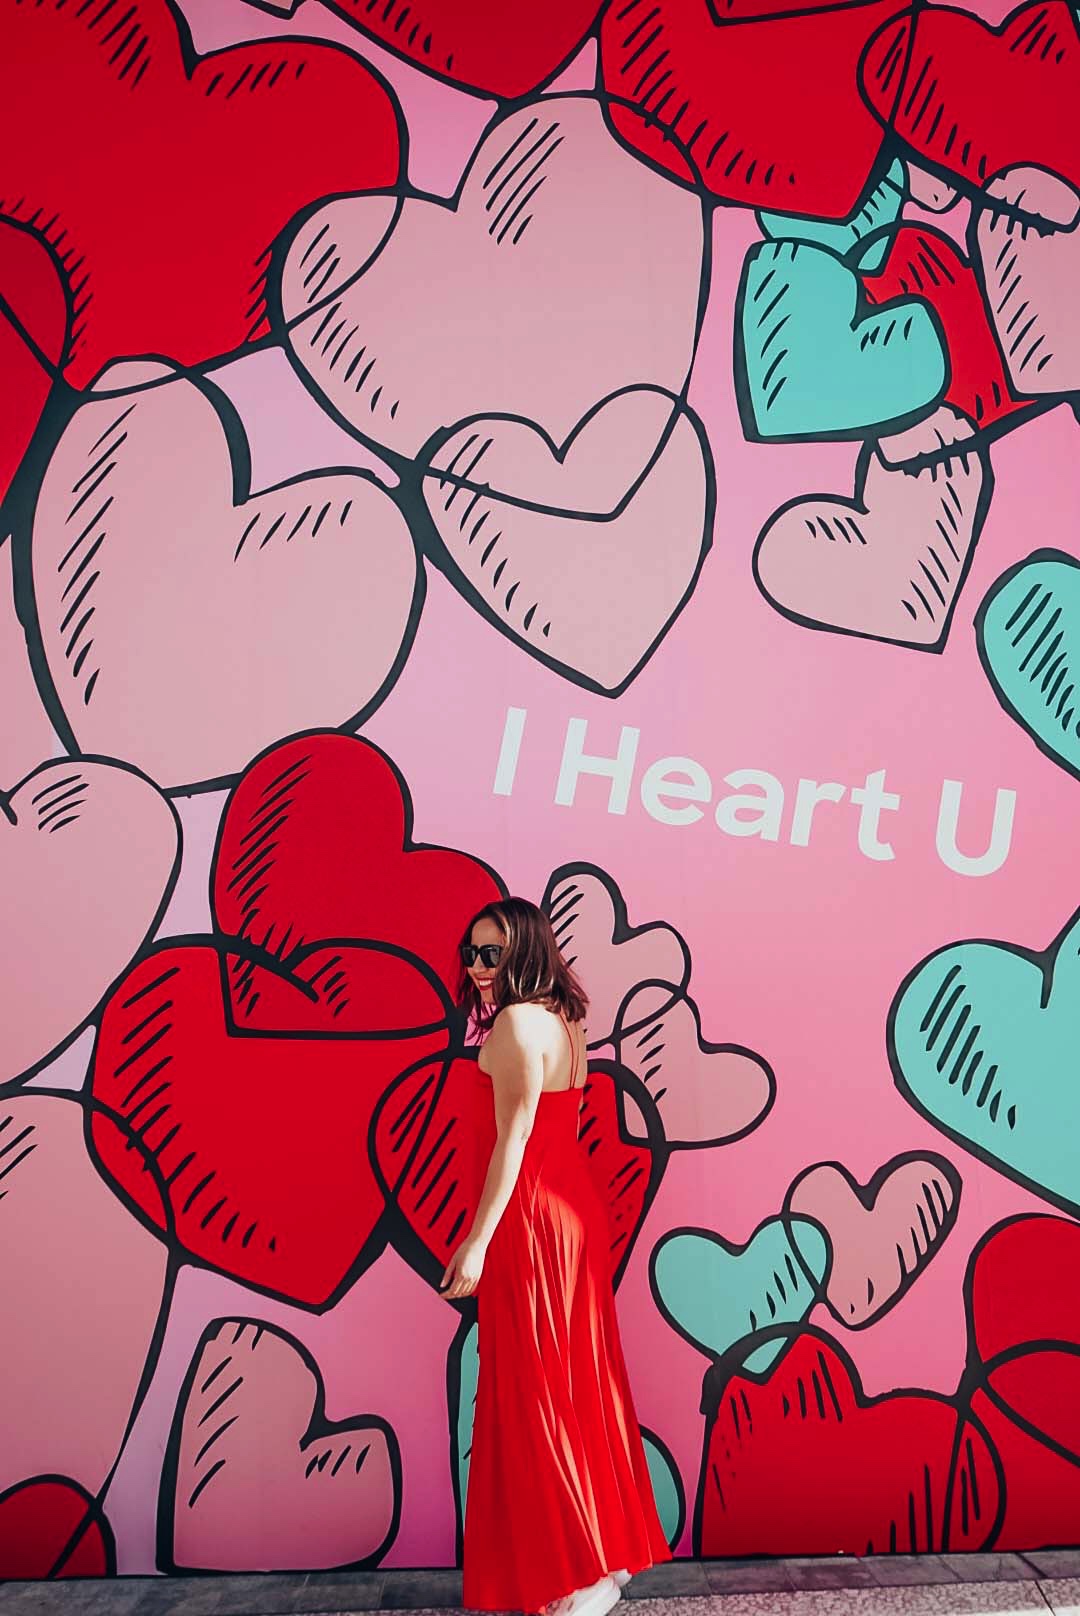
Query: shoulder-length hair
<point x="531" y="969"/>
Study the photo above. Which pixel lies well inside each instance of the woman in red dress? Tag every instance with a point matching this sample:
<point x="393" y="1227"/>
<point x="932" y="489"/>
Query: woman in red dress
<point x="560" y="1510"/>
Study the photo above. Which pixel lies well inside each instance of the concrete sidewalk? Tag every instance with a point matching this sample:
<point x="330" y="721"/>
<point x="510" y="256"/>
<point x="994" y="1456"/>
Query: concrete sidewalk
<point x="919" y="1585"/>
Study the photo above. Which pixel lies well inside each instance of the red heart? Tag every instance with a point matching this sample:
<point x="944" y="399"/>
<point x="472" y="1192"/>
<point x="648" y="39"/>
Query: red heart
<point x="161" y="179"/>
<point x="259" y="1120"/>
<point x="483" y="44"/>
<point x="51" y="1527"/>
<point x="33" y="337"/>
<point x="1024" y="1319"/>
<point x="923" y="262"/>
<point x="430" y="1158"/>
<point x="316" y="844"/>
<point x="973" y="99"/>
<point x="764" y="107"/>
<point x="842" y="1472"/>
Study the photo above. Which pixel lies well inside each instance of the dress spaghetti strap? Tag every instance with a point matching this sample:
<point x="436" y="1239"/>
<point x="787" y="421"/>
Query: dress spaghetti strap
<point x="573" y="1052"/>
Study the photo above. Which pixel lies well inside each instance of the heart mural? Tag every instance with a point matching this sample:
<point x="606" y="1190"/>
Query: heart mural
<point x="256" y="1477"/>
<point x="248" y="615"/>
<point x="718" y="1295"/>
<point x="549" y="217"/>
<point x="477" y="44"/>
<point x="706" y="1094"/>
<point x="538" y="534"/>
<point x="811" y="362"/>
<point x="980" y="1038"/>
<point x="881" y="1235"/>
<point x="732" y="106"/>
<point x="1024" y="1330"/>
<point x="805" y="1440"/>
<point x="1030" y="268"/>
<point x="924" y="263"/>
<point x="1028" y="630"/>
<point x="323" y="978"/>
<point x="57" y="1217"/>
<point x="972" y="99"/>
<point x="52" y="1528"/>
<point x="589" y="917"/>
<point x="169" y="167"/>
<point x="88" y="855"/>
<point x="890" y="562"/>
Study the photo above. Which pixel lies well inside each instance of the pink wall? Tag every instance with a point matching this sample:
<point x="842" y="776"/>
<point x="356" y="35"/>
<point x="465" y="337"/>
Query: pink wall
<point x="629" y="302"/>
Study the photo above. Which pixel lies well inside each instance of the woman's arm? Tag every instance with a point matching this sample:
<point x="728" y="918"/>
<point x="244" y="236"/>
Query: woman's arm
<point x="517" y="1075"/>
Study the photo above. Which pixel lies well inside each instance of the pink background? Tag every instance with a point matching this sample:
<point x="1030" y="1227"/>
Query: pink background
<point x="797" y="951"/>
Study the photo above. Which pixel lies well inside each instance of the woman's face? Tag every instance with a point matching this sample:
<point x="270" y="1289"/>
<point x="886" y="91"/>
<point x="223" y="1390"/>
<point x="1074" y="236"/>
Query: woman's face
<point x="484" y="933"/>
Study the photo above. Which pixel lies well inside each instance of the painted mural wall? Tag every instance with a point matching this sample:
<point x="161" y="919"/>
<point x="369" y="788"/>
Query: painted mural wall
<point x="626" y="455"/>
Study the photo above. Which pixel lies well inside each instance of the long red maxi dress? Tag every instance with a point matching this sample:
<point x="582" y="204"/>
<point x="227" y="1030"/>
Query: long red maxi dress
<point x="559" y="1492"/>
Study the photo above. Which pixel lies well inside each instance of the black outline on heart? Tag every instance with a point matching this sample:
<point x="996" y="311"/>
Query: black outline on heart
<point x="977" y="1375"/>
<point x="188" y="59"/>
<point x="1037" y="557"/>
<point x="151" y="931"/>
<point x="1044" y="961"/>
<point x="867" y="1194"/>
<point x="352" y="19"/>
<point x="238" y="450"/>
<point x="644" y="1027"/>
<point x="966" y="447"/>
<point x="90" y="1109"/>
<point x="729" y="1367"/>
<point x="622" y="931"/>
<point x="910" y="16"/>
<point x="319" y="1427"/>
<point x="779" y="14"/>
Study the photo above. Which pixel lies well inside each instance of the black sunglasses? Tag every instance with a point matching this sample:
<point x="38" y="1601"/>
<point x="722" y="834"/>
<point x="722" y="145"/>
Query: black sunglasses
<point x="490" y="954"/>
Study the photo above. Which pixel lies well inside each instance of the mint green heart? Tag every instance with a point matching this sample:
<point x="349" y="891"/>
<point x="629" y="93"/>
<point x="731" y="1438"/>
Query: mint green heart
<point x="879" y="206"/>
<point x="984" y="1043"/>
<point x="667" y="1487"/>
<point x="464" y="1413"/>
<point x="818" y="361"/>
<point x="1028" y="629"/>
<point x="717" y="1294"/>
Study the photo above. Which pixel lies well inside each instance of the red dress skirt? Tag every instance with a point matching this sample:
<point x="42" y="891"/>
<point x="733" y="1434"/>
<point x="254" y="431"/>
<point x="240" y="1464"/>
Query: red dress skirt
<point x="559" y="1492"/>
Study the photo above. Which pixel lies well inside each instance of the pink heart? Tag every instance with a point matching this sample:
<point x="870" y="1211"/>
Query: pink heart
<point x="706" y="1094"/>
<point x="526" y="295"/>
<point x="890" y="562"/>
<point x="88" y="852"/>
<point x="263" y="1481"/>
<point x="589" y="916"/>
<point x="930" y="191"/>
<point x="883" y="1233"/>
<point x="188" y="623"/>
<point x="618" y="513"/>
<point x="1032" y="271"/>
<point x="82" y="1284"/>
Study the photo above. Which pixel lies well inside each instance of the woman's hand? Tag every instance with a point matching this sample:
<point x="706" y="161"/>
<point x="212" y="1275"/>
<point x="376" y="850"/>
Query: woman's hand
<point x="464" y="1269"/>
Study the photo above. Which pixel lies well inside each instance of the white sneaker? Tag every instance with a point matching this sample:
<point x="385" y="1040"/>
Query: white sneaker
<point x="597" y="1600"/>
<point x="620" y="1578"/>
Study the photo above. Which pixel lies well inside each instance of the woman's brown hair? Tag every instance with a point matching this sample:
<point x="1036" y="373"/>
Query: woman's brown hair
<point x="531" y="968"/>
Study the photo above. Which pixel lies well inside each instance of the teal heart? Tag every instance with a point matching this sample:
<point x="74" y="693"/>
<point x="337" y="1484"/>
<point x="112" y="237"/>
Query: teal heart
<point x="817" y="361"/>
<point x="983" y="1041"/>
<point x="463" y="1381"/>
<point x="667" y="1488"/>
<point x="1028" y="630"/>
<point x="879" y="207"/>
<point x="464" y="1368"/>
<point x="717" y="1295"/>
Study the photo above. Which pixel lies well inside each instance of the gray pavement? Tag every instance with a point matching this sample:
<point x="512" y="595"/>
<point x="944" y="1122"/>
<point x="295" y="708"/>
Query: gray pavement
<point x="916" y="1585"/>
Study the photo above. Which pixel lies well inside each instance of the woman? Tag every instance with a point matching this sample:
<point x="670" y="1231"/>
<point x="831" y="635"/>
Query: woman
<point x="560" y="1506"/>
